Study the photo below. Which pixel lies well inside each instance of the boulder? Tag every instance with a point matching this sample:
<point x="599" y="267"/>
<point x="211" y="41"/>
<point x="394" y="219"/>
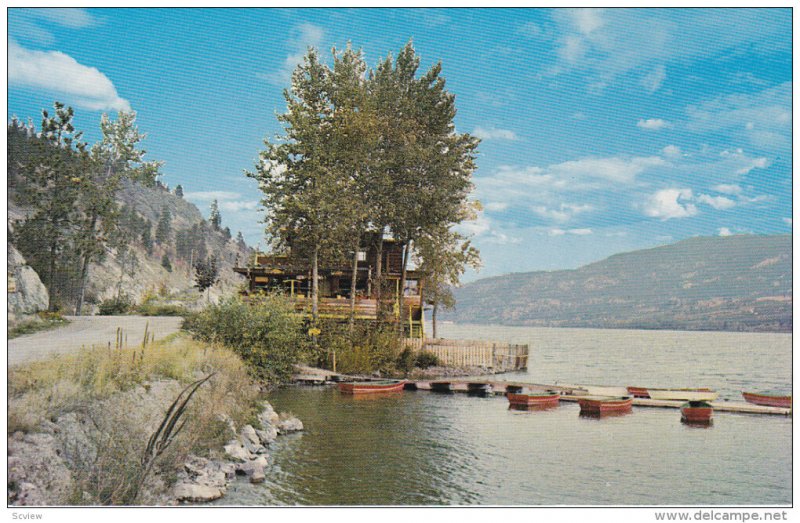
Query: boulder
<point x="37" y="474"/>
<point x="267" y="435"/>
<point x="26" y="293"/>
<point x="268" y="417"/>
<point x="254" y="469"/>
<point x="248" y="433"/>
<point x="289" y="424"/>
<point x="197" y="493"/>
<point x="237" y="451"/>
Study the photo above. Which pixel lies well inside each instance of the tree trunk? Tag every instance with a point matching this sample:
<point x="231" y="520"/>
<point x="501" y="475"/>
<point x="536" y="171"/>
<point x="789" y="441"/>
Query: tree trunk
<point x="51" y="277"/>
<point x="433" y="318"/>
<point x="400" y="300"/>
<point x="315" y="286"/>
<point x="85" y="269"/>
<point x="378" y="282"/>
<point x="353" y="283"/>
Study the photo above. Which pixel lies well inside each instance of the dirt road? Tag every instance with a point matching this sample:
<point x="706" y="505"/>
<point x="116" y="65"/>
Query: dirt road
<point x="88" y="331"/>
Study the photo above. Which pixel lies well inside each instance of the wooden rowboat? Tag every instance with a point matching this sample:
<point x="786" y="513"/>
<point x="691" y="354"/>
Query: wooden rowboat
<point x="697" y="412"/>
<point x="638" y="392"/>
<point x="683" y="394"/>
<point x="605" y="404"/>
<point x="371" y="387"/>
<point x="534" y="399"/>
<point x="770" y="400"/>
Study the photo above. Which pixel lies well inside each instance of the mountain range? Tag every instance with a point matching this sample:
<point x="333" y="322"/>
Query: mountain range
<point x="733" y="283"/>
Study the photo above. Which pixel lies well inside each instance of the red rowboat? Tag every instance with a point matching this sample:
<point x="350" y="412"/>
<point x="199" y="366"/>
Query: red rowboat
<point x="638" y="392"/>
<point x="770" y="400"/>
<point x="536" y="399"/>
<point x="697" y="412"/>
<point x="371" y="387"/>
<point x="605" y="404"/>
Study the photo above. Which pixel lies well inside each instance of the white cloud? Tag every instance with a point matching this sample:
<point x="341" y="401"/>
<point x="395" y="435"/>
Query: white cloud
<point x="57" y="72"/>
<point x="494" y="134"/>
<point x="671" y="151"/>
<point x="613" y="169"/>
<point x="531" y="30"/>
<point x="73" y="18"/>
<point x="587" y="21"/>
<point x="727" y="188"/>
<point x="653" y="124"/>
<point x="307" y="35"/>
<point x="207" y="196"/>
<point x="236" y="206"/>
<point x="717" y="202"/>
<point x="724" y="231"/>
<point x="653" y="80"/>
<point x="579" y="116"/>
<point x="787" y="221"/>
<point x="670" y="203"/>
<point x="496" y="206"/>
<point x="562" y="232"/>
<point x="564" y="213"/>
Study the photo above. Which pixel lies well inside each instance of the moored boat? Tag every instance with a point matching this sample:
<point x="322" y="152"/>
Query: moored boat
<point x="697" y="412"/>
<point x="701" y="394"/>
<point x="371" y="387"/>
<point x="595" y="390"/>
<point x="534" y="399"/>
<point x="479" y="389"/>
<point x="605" y="404"/>
<point x="769" y="400"/>
<point x="638" y="392"/>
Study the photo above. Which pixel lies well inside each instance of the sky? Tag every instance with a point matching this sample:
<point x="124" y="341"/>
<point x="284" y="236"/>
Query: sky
<point x="602" y="131"/>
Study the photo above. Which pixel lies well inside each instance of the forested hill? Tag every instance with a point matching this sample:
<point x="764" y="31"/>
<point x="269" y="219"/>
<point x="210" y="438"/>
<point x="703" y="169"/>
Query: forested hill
<point x="149" y="252"/>
<point x="736" y="283"/>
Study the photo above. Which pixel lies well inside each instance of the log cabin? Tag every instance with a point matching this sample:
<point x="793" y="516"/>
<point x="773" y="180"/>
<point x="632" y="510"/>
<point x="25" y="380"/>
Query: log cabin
<point x="292" y="275"/>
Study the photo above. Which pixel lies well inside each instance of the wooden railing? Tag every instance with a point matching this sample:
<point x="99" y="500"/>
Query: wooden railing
<point x="495" y="356"/>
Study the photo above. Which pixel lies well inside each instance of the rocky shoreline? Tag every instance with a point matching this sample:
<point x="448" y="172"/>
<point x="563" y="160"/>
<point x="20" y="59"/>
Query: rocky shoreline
<point x="43" y="462"/>
<point x="203" y="479"/>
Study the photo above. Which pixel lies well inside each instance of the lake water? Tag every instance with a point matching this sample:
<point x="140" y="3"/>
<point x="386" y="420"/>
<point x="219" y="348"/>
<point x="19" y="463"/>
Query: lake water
<point x="421" y="448"/>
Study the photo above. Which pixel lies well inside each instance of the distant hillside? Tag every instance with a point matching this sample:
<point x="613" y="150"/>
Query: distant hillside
<point x="735" y="283"/>
<point x="190" y="237"/>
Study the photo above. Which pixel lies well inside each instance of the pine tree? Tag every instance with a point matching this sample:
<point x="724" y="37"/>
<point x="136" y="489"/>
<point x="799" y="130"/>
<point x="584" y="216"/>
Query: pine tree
<point x="166" y="263"/>
<point x="164" y="226"/>
<point x="179" y="191"/>
<point x="215" y="218"/>
<point x="206" y="274"/>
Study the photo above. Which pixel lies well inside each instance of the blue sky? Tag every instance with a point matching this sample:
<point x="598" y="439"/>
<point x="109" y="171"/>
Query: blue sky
<point x="603" y="130"/>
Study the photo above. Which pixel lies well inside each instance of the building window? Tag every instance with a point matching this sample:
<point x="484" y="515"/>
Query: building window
<point x="362" y="255"/>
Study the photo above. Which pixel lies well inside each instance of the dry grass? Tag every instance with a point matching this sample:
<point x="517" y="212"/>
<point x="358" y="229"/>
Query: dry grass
<point x="124" y="393"/>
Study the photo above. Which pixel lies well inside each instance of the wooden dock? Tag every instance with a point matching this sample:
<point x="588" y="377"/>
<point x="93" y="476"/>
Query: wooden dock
<point x="314" y="376"/>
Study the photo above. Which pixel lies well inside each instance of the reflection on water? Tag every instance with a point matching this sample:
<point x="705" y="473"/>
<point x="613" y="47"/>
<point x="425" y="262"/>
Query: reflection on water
<point x="418" y="448"/>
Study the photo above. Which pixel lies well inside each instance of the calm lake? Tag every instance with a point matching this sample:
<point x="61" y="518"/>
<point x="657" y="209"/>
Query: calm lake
<point x="421" y="448"/>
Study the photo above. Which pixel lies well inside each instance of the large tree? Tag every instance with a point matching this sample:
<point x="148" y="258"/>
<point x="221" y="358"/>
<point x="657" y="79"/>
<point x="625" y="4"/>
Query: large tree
<point x="301" y="188"/>
<point x="116" y="157"/>
<point x="430" y="163"/>
<point x="51" y="165"/>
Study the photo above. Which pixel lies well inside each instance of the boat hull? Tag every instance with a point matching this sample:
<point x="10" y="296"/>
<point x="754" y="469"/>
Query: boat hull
<point x="371" y="387"/>
<point x="638" y="392"/>
<point x="697" y="412"/>
<point x="768" y="400"/>
<point x="605" y="405"/>
<point x="533" y="400"/>
<point x="683" y="394"/>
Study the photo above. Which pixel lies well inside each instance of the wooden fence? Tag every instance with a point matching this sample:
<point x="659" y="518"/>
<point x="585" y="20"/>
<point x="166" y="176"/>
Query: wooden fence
<point x="496" y="356"/>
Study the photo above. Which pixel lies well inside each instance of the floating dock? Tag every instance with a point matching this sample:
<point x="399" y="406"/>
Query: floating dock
<point x="572" y="393"/>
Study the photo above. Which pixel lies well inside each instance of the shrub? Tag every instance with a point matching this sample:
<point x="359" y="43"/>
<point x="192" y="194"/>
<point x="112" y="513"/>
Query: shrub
<point x="426" y="359"/>
<point x="161" y="309"/>
<point x="369" y="348"/>
<point x="115" y="306"/>
<point x="265" y="333"/>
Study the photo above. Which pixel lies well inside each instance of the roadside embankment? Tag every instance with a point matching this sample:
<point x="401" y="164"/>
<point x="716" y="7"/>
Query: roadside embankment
<point x="157" y="424"/>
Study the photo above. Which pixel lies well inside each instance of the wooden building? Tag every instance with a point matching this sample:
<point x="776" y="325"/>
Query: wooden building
<point x="292" y="275"/>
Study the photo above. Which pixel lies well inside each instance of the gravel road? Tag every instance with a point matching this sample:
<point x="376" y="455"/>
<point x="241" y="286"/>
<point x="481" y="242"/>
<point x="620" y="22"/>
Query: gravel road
<point x="88" y="330"/>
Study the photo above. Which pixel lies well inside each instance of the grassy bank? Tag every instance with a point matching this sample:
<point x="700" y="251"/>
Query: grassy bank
<point x="102" y="407"/>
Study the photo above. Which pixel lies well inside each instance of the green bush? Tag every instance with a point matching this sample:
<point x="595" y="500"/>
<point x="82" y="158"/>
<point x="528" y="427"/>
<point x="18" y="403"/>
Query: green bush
<point x="426" y="359"/>
<point x="115" y="306"/>
<point x="369" y="348"/>
<point x="160" y="309"/>
<point x="265" y="333"/>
